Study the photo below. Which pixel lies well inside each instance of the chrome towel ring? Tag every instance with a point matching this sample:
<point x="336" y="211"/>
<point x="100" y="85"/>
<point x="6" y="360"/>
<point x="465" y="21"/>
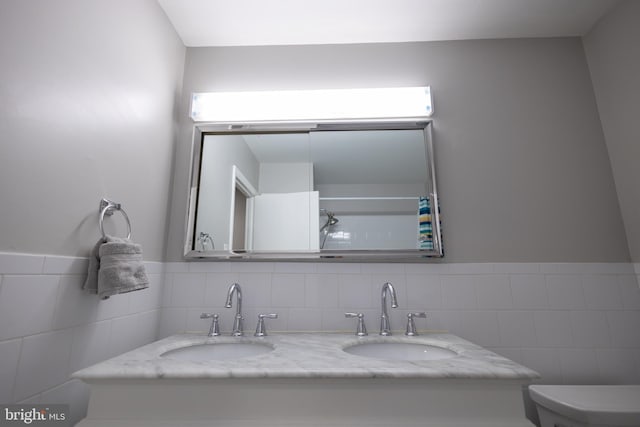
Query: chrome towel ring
<point x="107" y="207"/>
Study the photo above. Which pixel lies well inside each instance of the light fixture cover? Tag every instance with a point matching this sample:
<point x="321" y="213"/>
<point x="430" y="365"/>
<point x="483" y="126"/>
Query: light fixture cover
<point x="331" y="104"/>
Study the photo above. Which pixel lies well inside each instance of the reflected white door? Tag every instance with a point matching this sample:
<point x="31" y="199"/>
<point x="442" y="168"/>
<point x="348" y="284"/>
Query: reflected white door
<point x="286" y="222"/>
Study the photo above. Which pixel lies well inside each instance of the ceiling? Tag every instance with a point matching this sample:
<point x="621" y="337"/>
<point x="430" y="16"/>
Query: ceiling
<point x="296" y="22"/>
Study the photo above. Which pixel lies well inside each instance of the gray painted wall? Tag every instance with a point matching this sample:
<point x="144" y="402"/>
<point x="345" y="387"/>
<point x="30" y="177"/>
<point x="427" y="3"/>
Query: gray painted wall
<point x="614" y="62"/>
<point x="87" y="110"/>
<point x="523" y="169"/>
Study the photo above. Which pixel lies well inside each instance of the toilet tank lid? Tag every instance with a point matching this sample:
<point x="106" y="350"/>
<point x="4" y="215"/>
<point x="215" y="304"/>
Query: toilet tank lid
<point x="617" y="405"/>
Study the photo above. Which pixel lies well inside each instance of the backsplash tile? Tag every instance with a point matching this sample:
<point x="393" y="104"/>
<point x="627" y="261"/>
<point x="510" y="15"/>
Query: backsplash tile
<point x="579" y="366"/>
<point x="574" y="323"/>
<point x="590" y="328"/>
<point x="321" y="290"/>
<point x="188" y="289"/>
<point x="601" y="292"/>
<point x="616" y="365"/>
<point x="173" y="321"/>
<point x="553" y="328"/>
<point x="382" y="269"/>
<point x="287" y="290"/>
<point x="494" y="292"/>
<point x="459" y="292"/>
<point x="354" y="291"/>
<point x="208" y="267"/>
<point x="517" y="328"/>
<point x="565" y="292"/>
<point x="432" y="269"/>
<point x="424" y="292"/>
<point x="529" y="291"/>
<point x="545" y="361"/>
<point x="305" y="319"/>
<point x="480" y="327"/>
<point x="516" y="268"/>
<point x="471" y="268"/>
<point x="624" y="329"/>
<point x="346" y="268"/>
<point x="629" y="291"/>
<point x="251" y="267"/>
<point x="256" y="290"/>
<point x="295" y="267"/>
<point x="216" y="288"/>
<point x="545" y="312"/>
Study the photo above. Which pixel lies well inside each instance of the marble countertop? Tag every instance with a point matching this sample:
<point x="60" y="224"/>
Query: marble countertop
<point x="308" y="355"/>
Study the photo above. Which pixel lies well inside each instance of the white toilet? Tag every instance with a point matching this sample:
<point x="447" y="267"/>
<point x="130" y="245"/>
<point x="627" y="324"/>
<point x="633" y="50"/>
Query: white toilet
<point x="588" y="405"/>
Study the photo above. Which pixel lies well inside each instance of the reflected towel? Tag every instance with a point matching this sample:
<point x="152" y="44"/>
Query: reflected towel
<point x="425" y="228"/>
<point x="115" y="267"/>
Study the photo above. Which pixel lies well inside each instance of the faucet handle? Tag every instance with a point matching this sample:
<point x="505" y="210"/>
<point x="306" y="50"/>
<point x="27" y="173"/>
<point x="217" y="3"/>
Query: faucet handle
<point x="214" y="330"/>
<point x="411" y="324"/>
<point x="261" y="331"/>
<point x="361" y="330"/>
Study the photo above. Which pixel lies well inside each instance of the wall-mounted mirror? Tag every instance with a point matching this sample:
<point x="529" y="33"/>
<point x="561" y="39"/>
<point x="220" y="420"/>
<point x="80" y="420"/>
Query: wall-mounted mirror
<point x="343" y="190"/>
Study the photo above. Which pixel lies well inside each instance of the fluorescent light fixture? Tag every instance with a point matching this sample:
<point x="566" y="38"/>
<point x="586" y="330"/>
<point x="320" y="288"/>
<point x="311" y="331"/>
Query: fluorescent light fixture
<point x="332" y="104"/>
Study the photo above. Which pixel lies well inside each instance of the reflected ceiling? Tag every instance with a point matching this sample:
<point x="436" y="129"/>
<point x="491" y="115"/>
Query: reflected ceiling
<point x="347" y="157"/>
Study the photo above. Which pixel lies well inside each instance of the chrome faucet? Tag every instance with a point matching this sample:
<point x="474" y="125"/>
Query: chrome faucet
<point x="214" y="329"/>
<point x="261" y="331"/>
<point x="411" y="330"/>
<point x="385" y="325"/>
<point x="361" y="330"/>
<point x="237" y="321"/>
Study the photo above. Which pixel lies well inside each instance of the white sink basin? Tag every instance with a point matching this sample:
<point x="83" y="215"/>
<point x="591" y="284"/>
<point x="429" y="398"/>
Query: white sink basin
<point x="217" y="351"/>
<point x="400" y="351"/>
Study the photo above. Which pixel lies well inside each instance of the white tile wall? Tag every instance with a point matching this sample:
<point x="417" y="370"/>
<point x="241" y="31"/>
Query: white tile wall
<point x="565" y="292"/>
<point x="44" y="362"/>
<point x="27" y="305"/>
<point x="10" y="356"/>
<point x="494" y="292"/>
<point x="459" y="292"/>
<point x="574" y="323"/>
<point x="49" y="327"/>
<point x="579" y="366"/>
<point x="529" y="291"/>
<point x="602" y="292"/>
<point x="287" y="290"/>
<point x="71" y="391"/>
<point x="590" y="328"/>
<point x="553" y="328"/>
<point x="544" y="360"/>
<point x="517" y="328"/>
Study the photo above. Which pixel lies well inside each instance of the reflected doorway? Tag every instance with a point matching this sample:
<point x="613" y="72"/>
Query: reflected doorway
<point x="239" y="222"/>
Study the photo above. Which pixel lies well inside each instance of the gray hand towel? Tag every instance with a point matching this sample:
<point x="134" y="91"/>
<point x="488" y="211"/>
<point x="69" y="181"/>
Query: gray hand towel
<point x="115" y="267"/>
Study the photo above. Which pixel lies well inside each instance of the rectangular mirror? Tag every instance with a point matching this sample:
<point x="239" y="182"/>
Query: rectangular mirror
<point x="341" y="190"/>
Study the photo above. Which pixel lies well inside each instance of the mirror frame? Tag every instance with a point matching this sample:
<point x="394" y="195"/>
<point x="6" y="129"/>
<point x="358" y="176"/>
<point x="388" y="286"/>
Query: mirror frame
<point x="200" y="130"/>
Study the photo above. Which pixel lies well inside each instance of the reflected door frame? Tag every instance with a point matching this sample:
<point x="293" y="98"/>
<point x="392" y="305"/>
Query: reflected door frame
<point x="240" y="183"/>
